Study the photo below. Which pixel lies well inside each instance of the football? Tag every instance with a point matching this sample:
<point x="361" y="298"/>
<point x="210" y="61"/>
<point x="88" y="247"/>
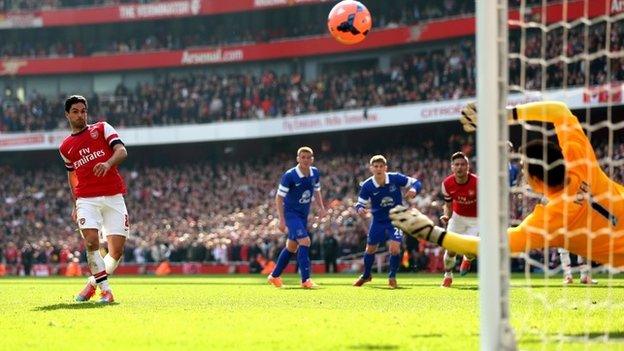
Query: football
<point x="349" y="22"/>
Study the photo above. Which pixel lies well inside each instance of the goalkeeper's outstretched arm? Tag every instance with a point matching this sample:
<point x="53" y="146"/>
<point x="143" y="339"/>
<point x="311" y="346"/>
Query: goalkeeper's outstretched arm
<point x="555" y="112"/>
<point x="544" y="111"/>
<point x="416" y="224"/>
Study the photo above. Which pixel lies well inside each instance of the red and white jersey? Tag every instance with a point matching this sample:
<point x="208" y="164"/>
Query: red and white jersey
<point x="83" y="150"/>
<point x="463" y="196"/>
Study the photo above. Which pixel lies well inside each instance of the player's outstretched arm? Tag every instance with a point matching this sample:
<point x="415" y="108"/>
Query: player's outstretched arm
<point x="416" y="224"/>
<point x="544" y="111"/>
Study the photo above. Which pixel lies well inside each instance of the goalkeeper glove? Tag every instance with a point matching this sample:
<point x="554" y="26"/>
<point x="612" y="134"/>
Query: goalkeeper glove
<point x="416" y="224"/>
<point x="469" y="117"/>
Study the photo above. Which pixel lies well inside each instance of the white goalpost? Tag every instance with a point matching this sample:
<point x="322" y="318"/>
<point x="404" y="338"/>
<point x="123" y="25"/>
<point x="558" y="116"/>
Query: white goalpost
<point x="492" y="136"/>
<point x="571" y="51"/>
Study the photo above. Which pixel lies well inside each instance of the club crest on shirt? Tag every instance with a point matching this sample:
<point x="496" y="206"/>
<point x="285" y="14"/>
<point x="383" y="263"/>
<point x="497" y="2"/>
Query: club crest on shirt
<point x="306" y="197"/>
<point x="392" y="188"/>
<point x="387" y="201"/>
<point x="81" y="221"/>
<point x="93" y="133"/>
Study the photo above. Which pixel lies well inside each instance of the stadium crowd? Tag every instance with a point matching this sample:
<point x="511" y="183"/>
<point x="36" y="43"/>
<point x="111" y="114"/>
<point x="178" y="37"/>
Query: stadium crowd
<point x="207" y="212"/>
<point x="430" y="75"/>
<point x="203" y="98"/>
<point x="232" y="28"/>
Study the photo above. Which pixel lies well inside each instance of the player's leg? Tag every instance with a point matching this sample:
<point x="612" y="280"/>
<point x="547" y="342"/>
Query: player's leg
<point x="374" y="238"/>
<point x="116" y="245"/>
<point x="282" y="261"/>
<point x="90" y="221"/>
<point x="566" y="265"/>
<point x="585" y="267"/>
<point x="116" y="229"/>
<point x="303" y="260"/>
<point x="394" y="245"/>
<point x="472" y="229"/>
<point x="450" y="257"/>
<point x="96" y="265"/>
<point x="294" y="225"/>
<point x="368" y="260"/>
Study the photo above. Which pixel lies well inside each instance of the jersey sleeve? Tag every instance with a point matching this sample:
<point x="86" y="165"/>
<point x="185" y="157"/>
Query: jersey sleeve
<point x="447" y="197"/>
<point x="543" y="226"/>
<point x="401" y="180"/>
<point x="111" y="135"/>
<point x="576" y="148"/>
<point x="414" y="184"/>
<point x="363" y="198"/>
<point x="68" y="165"/>
<point x="317" y="181"/>
<point x="574" y="144"/>
<point x="284" y="186"/>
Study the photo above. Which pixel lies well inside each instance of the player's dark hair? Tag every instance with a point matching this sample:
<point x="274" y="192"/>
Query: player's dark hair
<point x="457" y="155"/>
<point x="545" y="162"/>
<point x="74" y="99"/>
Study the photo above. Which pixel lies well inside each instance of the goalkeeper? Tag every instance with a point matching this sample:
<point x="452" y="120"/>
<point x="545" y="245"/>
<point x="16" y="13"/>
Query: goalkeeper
<point x="585" y="209"/>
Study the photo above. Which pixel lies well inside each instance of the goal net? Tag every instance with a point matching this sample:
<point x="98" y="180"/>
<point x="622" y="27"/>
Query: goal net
<point x="569" y="51"/>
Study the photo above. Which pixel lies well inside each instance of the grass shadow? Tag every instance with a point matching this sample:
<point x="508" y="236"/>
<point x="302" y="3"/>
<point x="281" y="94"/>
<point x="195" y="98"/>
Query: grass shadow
<point x="72" y="306"/>
<point x="385" y="287"/>
<point x="594" y="337"/>
<point x="561" y="286"/>
<point x="430" y="335"/>
<point x="465" y="287"/>
<point x="373" y="347"/>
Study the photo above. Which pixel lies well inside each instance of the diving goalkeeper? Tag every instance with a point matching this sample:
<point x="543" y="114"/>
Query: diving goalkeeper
<point x="585" y="209"/>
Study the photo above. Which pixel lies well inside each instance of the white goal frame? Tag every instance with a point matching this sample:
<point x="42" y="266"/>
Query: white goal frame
<point x="492" y="165"/>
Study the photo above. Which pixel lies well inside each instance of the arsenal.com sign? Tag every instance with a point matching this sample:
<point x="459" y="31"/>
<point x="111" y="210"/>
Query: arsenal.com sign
<point x="164" y="9"/>
<point x="211" y="56"/>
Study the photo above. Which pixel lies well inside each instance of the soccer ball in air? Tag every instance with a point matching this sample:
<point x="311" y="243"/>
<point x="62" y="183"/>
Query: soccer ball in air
<point x="349" y="22"/>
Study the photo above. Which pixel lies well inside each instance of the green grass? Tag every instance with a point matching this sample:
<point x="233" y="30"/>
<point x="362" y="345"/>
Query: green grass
<point x="244" y="313"/>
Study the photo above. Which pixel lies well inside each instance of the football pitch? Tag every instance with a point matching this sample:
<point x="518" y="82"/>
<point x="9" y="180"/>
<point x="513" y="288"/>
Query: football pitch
<point x="244" y="313"/>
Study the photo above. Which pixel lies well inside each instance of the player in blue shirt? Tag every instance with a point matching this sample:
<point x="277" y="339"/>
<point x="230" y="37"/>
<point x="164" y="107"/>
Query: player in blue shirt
<point x="514" y="167"/>
<point x="299" y="186"/>
<point x="383" y="192"/>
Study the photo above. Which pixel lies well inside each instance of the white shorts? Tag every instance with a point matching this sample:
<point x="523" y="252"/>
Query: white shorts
<point x="463" y="225"/>
<point x="107" y="214"/>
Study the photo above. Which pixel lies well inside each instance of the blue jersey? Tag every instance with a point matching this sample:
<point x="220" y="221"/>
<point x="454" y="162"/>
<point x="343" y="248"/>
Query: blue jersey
<point x="297" y="190"/>
<point x="514" y="171"/>
<point x="385" y="197"/>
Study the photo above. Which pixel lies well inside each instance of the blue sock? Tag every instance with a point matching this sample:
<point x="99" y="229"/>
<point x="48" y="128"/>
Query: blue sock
<point x="368" y="264"/>
<point x="282" y="262"/>
<point x="394" y="265"/>
<point x="303" y="258"/>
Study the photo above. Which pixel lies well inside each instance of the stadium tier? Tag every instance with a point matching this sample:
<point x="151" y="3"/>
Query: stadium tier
<point x="205" y="107"/>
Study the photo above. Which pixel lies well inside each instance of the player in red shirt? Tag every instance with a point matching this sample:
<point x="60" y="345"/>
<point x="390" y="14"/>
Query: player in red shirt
<point x="92" y="153"/>
<point x="460" y="210"/>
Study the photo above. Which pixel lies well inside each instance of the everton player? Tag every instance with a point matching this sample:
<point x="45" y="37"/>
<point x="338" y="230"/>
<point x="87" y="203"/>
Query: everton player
<point x="383" y="191"/>
<point x="299" y="186"/>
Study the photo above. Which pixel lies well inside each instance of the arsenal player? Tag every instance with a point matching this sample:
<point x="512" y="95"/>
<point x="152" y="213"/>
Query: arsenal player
<point x="92" y="153"/>
<point x="460" y="210"/>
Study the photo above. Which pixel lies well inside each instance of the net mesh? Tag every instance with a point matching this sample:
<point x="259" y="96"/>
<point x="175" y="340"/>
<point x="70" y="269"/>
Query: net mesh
<point x="570" y="51"/>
